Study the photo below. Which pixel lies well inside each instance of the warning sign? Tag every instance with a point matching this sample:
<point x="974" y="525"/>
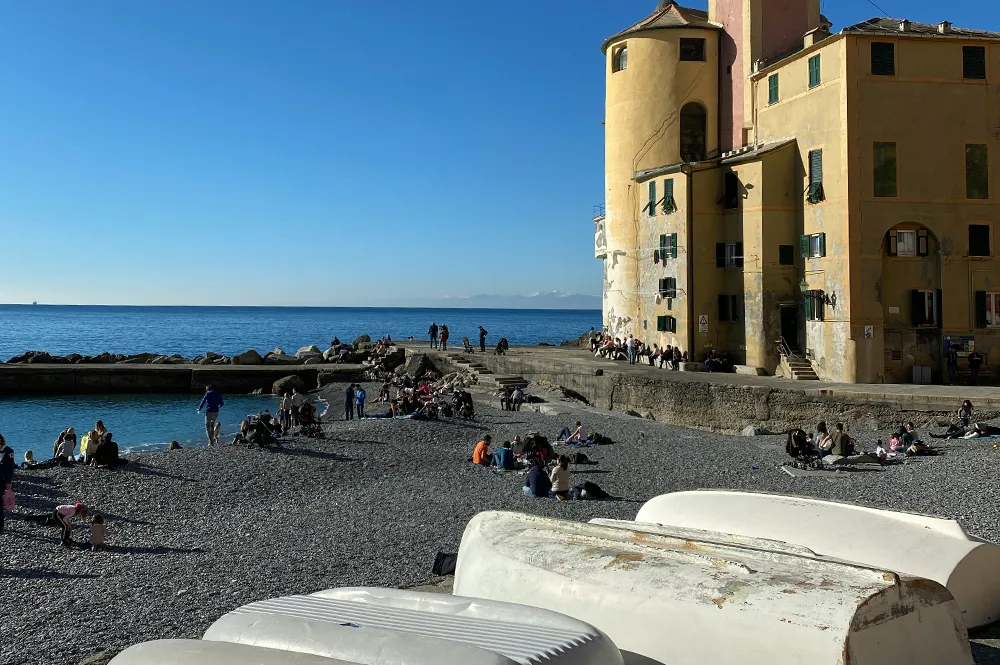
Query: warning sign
<point x="869" y="332"/>
<point x="703" y="323"/>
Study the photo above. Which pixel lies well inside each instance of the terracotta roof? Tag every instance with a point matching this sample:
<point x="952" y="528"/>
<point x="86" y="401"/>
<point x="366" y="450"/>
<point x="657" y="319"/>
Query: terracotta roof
<point x="668" y="14"/>
<point x="887" y="26"/>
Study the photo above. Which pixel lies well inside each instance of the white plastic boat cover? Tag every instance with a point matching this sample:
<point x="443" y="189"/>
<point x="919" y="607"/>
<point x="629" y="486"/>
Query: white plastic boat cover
<point x="682" y="601"/>
<point x="199" y="652"/>
<point x="917" y="545"/>
<point x="392" y="626"/>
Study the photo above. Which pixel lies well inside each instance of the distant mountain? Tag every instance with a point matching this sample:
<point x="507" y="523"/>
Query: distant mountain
<point x="541" y="300"/>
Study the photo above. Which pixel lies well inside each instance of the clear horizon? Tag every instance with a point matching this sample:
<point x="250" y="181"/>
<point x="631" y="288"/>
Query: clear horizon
<point x="252" y="153"/>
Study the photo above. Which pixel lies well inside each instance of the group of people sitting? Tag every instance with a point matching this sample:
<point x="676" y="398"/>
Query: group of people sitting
<point x="97" y="448"/>
<point x="718" y="361"/>
<point x="965" y="427"/>
<point x="511" y="399"/>
<point x="636" y="351"/>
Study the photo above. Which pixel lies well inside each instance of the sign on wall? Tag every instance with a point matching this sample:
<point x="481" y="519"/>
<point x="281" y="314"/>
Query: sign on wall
<point x="703" y="323"/>
<point x="869" y="332"/>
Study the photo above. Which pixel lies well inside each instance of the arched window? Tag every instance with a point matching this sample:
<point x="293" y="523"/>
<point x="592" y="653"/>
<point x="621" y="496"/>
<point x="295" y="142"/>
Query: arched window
<point x="619" y="58"/>
<point x="693" y="133"/>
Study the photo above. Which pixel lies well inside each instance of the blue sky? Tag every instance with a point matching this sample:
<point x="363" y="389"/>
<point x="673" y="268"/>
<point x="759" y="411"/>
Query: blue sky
<point x="316" y="152"/>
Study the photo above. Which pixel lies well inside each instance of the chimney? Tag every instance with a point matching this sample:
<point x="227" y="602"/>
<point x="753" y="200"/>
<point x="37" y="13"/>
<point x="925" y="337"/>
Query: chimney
<point x="904" y="25"/>
<point x="944" y="27"/>
<point x="815" y="36"/>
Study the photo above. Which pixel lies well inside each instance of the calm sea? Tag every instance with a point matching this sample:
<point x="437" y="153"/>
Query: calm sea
<point x="191" y="331"/>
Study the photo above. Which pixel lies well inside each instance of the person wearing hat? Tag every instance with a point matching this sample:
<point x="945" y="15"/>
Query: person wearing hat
<point x="481" y="454"/>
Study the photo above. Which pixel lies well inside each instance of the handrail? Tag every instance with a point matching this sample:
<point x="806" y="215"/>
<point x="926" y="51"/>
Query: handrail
<point x="783" y="348"/>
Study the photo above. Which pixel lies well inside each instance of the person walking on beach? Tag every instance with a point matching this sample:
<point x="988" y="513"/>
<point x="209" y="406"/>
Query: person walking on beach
<point x="349" y="402"/>
<point x="6" y="472"/>
<point x="433" y="332"/>
<point x="211" y="402"/>
<point x="444" y="337"/>
<point x="482" y="339"/>
<point x="359" y="398"/>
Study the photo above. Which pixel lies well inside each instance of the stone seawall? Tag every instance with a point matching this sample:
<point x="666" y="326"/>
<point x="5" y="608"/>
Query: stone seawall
<point x="726" y="403"/>
<point x="38" y="379"/>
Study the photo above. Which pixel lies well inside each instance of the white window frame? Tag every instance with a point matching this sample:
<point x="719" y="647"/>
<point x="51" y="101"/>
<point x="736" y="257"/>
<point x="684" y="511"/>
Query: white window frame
<point x="815" y="251"/>
<point x="907" y="247"/>
<point x="731" y="255"/>
<point x="992" y="310"/>
<point x="930" y="306"/>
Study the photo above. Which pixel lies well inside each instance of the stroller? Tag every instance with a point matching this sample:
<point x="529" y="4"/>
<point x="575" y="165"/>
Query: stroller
<point x="309" y="423"/>
<point x="258" y="431"/>
<point x="804" y="455"/>
<point x="462" y="404"/>
<point x="502" y="347"/>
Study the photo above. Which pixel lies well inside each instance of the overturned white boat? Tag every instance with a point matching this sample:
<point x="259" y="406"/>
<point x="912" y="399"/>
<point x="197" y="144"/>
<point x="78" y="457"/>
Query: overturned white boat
<point x="680" y="600"/>
<point x="386" y="627"/>
<point x="921" y="546"/>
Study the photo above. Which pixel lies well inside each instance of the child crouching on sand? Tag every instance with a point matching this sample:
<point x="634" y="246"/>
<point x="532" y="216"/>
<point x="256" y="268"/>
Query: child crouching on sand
<point x="97" y="534"/>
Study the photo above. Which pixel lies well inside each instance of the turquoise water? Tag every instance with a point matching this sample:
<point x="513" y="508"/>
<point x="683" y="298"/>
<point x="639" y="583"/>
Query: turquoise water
<point x="138" y="422"/>
<point x="191" y="331"/>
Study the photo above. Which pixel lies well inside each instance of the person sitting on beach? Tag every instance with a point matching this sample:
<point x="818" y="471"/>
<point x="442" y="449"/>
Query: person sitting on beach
<point x="536" y="483"/>
<point x="578" y="435"/>
<point x="97" y="534"/>
<point x="979" y="430"/>
<point x="503" y="458"/>
<point x="65" y="447"/>
<point x="517" y="446"/>
<point x="174" y="445"/>
<point x="840" y="442"/>
<point x="242" y="434"/>
<point x="61" y="517"/>
<point x="517" y="399"/>
<point x="481" y="454"/>
<point x="93" y="438"/>
<point x="506" y="397"/>
<point x="964" y="417"/>
<point x="560" y="478"/>
<point x="106" y="454"/>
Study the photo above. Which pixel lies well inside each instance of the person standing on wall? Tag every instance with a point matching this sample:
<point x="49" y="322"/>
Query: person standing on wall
<point x="349" y="402"/>
<point x="952" y="365"/>
<point x="482" y="339"/>
<point x="433" y="333"/>
<point x="211" y="402"/>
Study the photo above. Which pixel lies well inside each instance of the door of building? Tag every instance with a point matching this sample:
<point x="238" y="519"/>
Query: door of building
<point x="790" y="327"/>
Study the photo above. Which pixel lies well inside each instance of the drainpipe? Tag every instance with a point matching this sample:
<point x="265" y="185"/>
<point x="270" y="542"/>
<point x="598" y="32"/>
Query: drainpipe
<point x="689" y="172"/>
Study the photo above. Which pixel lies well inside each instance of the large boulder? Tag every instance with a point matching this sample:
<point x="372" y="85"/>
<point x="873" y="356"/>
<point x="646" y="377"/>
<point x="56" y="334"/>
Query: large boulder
<point x="212" y="355"/>
<point x="178" y="359"/>
<point x="307" y="351"/>
<point x="160" y="360"/>
<point x="74" y="358"/>
<point x="281" y="359"/>
<point x="313" y="360"/>
<point x="361" y="339"/>
<point x="250" y="357"/>
<point x="331" y="354"/>
<point x="416" y="366"/>
<point x="286" y="383"/>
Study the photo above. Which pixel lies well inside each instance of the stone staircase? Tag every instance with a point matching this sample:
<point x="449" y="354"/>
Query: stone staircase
<point x="484" y="374"/>
<point x="801" y="369"/>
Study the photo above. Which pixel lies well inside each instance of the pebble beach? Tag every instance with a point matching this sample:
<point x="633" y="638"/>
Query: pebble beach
<point x="195" y="533"/>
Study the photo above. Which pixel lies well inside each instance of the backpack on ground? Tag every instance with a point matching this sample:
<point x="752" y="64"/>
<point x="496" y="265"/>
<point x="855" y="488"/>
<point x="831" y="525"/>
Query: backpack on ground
<point x="590" y="491"/>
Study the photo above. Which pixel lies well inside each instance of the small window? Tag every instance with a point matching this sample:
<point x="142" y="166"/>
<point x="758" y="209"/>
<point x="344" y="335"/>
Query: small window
<point x="885" y="169"/>
<point x="815" y="191"/>
<point x="668" y="246"/>
<point x="619" y="58"/>
<point x="651" y="206"/>
<point x="694" y="128"/>
<point x="786" y="255"/>
<point x="669" y="205"/>
<point x="666" y="324"/>
<point x="974" y="62"/>
<point x="729" y="308"/>
<point x="772" y="89"/>
<point x="815" y="305"/>
<point x="987" y="310"/>
<point x="668" y="287"/>
<point x="977" y="171"/>
<point x="925" y="308"/>
<point x="815" y="78"/>
<point x="813" y="245"/>
<point x="731" y="195"/>
<point x="692" y="50"/>
<point x="729" y="255"/>
<point x="883" y="59"/>
<point x="979" y="240"/>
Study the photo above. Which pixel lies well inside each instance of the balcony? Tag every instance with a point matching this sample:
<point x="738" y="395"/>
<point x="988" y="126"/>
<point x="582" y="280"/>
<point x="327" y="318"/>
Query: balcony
<point x="600" y="235"/>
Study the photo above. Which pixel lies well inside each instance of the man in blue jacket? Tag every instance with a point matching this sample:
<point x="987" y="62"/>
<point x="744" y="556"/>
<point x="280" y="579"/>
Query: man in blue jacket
<point x="6" y="472"/>
<point x="504" y="458"/>
<point x="211" y="402"/>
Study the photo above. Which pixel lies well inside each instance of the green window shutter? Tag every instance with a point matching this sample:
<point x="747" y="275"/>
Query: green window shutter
<point x="815" y="192"/>
<point x="672" y="287"/>
<point x="673" y="245"/>
<point x="661" y="324"/>
<point x="893" y="243"/>
<point x="664" y="248"/>
<point x="977" y="171"/>
<point x="772" y="89"/>
<point x="917" y="307"/>
<point x="822" y="244"/>
<point x="883" y="59"/>
<point x="720" y="255"/>
<point x="651" y="206"/>
<point x="922" y="243"/>
<point x="804" y="246"/>
<point x="668" y="196"/>
<point x="814" y="71"/>
<point x="938" y="312"/>
<point x="974" y="62"/>
<point x="808" y="305"/>
<point x="739" y="255"/>
<point x="980" y="309"/>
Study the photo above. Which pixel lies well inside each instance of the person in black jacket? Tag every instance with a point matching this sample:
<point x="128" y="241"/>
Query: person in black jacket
<point x="6" y="472"/>
<point x="482" y="339"/>
<point x="349" y="402"/>
<point x="536" y="482"/>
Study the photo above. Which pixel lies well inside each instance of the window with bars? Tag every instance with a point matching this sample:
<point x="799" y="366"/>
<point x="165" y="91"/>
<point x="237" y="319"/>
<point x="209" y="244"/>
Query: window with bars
<point x="772" y="89"/>
<point x="815" y="78"/>
<point x="815" y="191"/>
<point x="619" y="58"/>
<point x="668" y="246"/>
<point x="883" y="59"/>
<point x="974" y="62"/>
<point x="885" y="169"/>
<point x="668" y="287"/>
<point x="977" y="171"/>
<point x="979" y="239"/>
<point x="908" y="242"/>
<point x="729" y="255"/>
<point x="730" y="308"/>
<point x="812" y="245"/>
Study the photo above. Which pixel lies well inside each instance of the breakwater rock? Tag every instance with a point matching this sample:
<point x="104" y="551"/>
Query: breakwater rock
<point x="307" y="355"/>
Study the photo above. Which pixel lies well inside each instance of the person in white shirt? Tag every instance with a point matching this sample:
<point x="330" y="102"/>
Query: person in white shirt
<point x="285" y="413"/>
<point x="298" y="399"/>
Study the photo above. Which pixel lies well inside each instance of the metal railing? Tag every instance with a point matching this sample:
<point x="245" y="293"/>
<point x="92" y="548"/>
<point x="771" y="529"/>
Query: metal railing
<point x="599" y="211"/>
<point x="783" y="348"/>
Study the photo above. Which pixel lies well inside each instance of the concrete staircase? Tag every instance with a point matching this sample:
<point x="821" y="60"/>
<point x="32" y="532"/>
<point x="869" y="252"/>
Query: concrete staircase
<point x="484" y="374"/>
<point x="801" y="369"/>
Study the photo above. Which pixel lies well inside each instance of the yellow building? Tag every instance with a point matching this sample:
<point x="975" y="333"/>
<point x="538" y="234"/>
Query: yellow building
<point x="803" y="200"/>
